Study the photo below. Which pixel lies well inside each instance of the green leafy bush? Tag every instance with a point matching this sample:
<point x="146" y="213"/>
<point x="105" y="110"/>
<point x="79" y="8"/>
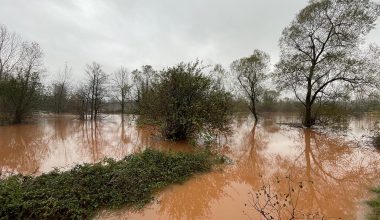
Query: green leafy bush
<point x="184" y="101"/>
<point x="81" y="191"/>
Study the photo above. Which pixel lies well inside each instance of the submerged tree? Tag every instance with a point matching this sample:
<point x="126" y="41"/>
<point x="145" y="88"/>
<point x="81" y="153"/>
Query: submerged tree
<point x="80" y="101"/>
<point x="96" y="85"/>
<point x="184" y="101"/>
<point x="122" y="86"/>
<point x="250" y="73"/>
<point x="61" y="90"/>
<point x="320" y="51"/>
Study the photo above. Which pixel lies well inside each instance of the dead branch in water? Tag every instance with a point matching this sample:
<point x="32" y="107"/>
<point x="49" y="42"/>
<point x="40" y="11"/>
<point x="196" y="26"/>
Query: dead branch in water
<point x="274" y="204"/>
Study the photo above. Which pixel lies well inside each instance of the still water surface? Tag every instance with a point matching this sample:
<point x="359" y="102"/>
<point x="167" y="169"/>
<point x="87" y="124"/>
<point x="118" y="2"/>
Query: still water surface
<point x="336" y="169"/>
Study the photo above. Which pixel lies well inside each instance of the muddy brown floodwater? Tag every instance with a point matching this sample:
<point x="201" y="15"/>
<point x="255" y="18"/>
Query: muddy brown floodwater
<point x="326" y="173"/>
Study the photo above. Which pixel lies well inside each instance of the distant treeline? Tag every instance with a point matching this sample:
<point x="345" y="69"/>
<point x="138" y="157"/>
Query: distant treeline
<point x="269" y="103"/>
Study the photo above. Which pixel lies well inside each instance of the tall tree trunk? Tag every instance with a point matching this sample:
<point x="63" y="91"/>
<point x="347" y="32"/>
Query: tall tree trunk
<point x="254" y="113"/>
<point x="253" y="109"/>
<point x="122" y="107"/>
<point x="93" y="98"/>
<point x="309" y="119"/>
<point x="92" y="108"/>
<point x="18" y="116"/>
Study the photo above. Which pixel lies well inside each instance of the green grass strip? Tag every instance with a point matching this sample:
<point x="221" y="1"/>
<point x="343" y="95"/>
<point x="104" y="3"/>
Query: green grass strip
<point x="80" y="192"/>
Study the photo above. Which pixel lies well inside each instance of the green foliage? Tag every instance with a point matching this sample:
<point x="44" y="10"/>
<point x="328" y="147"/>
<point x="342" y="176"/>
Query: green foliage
<point x="81" y="191"/>
<point x="250" y="73"/>
<point x="375" y="205"/>
<point x="183" y="101"/>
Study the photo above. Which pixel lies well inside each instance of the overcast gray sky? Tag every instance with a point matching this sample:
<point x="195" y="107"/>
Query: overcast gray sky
<point x="160" y="33"/>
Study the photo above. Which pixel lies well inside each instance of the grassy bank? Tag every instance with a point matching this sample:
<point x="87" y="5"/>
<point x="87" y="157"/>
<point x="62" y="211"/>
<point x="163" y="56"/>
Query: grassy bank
<point x="375" y="205"/>
<point x="83" y="190"/>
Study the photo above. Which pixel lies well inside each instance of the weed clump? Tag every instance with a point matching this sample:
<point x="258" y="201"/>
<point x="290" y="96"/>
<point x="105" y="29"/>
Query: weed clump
<point x="83" y="190"/>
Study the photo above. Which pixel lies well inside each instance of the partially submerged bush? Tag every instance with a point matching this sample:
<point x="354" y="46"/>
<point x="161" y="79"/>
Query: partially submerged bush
<point x="80" y="192"/>
<point x="184" y="101"/>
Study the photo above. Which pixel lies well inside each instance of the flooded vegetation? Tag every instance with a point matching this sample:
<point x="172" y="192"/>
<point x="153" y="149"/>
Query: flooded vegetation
<point x="190" y="138"/>
<point x="336" y="173"/>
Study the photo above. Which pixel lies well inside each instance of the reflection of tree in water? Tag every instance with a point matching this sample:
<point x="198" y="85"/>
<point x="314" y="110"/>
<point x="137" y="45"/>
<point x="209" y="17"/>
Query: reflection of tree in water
<point x="124" y="139"/>
<point x="110" y="137"/>
<point x="22" y="147"/>
<point x="196" y="199"/>
<point x="60" y="128"/>
<point x="91" y="141"/>
<point x="130" y="139"/>
<point x="334" y="175"/>
<point x="251" y="163"/>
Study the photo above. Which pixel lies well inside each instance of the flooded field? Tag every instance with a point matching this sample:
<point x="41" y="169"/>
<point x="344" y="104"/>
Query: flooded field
<point x="327" y="174"/>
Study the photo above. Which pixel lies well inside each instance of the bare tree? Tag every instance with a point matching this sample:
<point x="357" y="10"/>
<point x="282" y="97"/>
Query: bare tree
<point x="320" y="51"/>
<point x="80" y="101"/>
<point x="250" y="73"/>
<point x="61" y="89"/>
<point x="24" y="88"/>
<point x="122" y="86"/>
<point x="97" y="80"/>
<point x="10" y="48"/>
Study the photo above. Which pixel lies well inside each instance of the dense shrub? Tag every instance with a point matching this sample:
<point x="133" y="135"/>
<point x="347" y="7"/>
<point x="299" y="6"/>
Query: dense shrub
<point x="184" y="101"/>
<point x="80" y="192"/>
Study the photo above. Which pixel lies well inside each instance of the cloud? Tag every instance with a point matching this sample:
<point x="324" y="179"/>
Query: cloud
<point x="159" y="33"/>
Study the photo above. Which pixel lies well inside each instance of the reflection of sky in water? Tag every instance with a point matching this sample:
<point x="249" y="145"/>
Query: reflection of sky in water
<point x="282" y="143"/>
